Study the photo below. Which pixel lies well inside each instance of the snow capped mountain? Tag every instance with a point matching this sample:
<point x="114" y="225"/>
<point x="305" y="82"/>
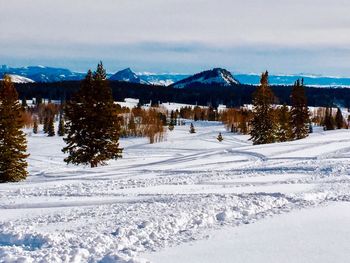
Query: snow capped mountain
<point x="217" y="76"/>
<point x="20" y="79"/>
<point x="162" y="79"/>
<point x="127" y="75"/>
<point x="42" y="73"/>
<point x="309" y="80"/>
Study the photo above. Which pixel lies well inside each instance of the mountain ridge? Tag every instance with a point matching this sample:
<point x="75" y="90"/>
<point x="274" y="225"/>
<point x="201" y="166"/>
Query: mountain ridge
<point x="52" y="74"/>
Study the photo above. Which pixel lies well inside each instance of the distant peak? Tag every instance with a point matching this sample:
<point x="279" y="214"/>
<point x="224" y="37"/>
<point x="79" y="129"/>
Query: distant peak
<point x="216" y="76"/>
<point x="127" y="75"/>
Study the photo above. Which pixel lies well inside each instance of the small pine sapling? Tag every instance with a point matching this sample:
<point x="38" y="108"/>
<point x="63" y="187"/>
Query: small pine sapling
<point x="219" y="138"/>
<point x="192" y="129"/>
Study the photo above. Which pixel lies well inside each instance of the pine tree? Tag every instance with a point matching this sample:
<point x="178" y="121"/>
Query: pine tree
<point x="171" y="127"/>
<point x="300" y="117"/>
<point x="284" y="130"/>
<point x="13" y="143"/>
<point x="51" y="127"/>
<point x="192" y="129"/>
<point x="172" y="122"/>
<point x="339" y="120"/>
<point x="263" y="122"/>
<point x="329" y="122"/>
<point x="132" y="125"/>
<point x="61" y="130"/>
<point x="92" y="122"/>
<point x="46" y="124"/>
<point x="24" y="103"/>
<point x="35" y="126"/>
<point x="219" y="138"/>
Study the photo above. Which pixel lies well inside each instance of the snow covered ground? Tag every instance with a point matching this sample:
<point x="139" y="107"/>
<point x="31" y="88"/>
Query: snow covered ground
<point x="188" y="188"/>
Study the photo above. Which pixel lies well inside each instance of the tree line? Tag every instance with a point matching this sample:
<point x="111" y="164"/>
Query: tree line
<point x="195" y="94"/>
<point x="93" y="123"/>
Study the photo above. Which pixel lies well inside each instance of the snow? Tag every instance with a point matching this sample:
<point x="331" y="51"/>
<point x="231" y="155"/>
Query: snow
<point x="313" y="235"/>
<point x="20" y="79"/>
<point x="173" y="193"/>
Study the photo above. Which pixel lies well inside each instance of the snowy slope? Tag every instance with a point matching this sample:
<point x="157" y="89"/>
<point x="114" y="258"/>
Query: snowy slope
<point x="42" y="73"/>
<point x="163" y="79"/>
<point x="215" y="76"/>
<point x="164" y="194"/>
<point x="302" y="236"/>
<point x="20" y="79"/>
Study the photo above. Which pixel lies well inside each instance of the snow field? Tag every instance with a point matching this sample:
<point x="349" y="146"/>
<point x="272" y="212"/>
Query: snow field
<point x="164" y="194"/>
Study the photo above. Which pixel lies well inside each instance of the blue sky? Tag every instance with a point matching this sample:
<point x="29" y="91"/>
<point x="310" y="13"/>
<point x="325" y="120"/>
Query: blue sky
<point x="290" y="36"/>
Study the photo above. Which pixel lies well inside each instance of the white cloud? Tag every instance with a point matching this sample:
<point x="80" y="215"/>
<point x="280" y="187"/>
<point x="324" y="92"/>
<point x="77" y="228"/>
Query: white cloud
<point x="194" y="30"/>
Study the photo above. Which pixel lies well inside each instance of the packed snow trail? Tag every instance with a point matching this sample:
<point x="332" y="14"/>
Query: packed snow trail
<point x="163" y="194"/>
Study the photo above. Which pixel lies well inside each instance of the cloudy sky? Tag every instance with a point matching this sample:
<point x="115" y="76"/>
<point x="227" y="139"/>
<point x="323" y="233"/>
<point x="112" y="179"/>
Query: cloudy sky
<point x="289" y="36"/>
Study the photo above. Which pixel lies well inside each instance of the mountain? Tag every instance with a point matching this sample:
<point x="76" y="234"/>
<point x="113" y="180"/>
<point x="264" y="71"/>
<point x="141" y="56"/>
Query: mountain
<point x="127" y="75"/>
<point x="19" y="79"/>
<point x="42" y="74"/>
<point x="309" y="80"/>
<point x="217" y="76"/>
<point x="162" y="79"/>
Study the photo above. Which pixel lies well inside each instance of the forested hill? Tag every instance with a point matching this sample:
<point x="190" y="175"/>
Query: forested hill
<point x="196" y="94"/>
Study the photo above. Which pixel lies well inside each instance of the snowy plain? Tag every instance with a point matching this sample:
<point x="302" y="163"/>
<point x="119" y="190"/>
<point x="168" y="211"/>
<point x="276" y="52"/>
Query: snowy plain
<point x="181" y="195"/>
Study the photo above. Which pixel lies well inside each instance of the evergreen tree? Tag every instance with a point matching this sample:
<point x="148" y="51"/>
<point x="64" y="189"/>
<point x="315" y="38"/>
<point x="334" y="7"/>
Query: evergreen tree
<point x="192" y="129"/>
<point x="263" y="122"/>
<point x="35" y="126"/>
<point x="300" y="117"/>
<point x="311" y="130"/>
<point x="284" y="130"/>
<point x="219" y="138"/>
<point x="46" y="124"/>
<point x="38" y="100"/>
<point x="339" y="120"/>
<point x="51" y="127"/>
<point x="24" y="103"/>
<point x="61" y="129"/>
<point x="172" y="118"/>
<point x="172" y="122"/>
<point x="13" y="143"/>
<point x="171" y="127"/>
<point x="329" y="122"/>
<point x="92" y="122"/>
<point x="132" y="126"/>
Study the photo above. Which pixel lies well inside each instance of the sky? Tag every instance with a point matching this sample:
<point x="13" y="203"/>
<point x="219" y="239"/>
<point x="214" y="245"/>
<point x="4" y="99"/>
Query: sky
<point x="184" y="36"/>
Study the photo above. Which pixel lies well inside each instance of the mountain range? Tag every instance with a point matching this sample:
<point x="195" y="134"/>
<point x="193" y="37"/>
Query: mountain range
<point x="215" y="76"/>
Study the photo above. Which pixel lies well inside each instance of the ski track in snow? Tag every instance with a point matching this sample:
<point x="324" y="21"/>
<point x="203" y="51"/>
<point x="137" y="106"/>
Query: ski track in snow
<point x="163" y="194"/>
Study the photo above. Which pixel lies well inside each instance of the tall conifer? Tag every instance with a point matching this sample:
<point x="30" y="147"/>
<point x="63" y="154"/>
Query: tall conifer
<point x="339" y="120"/>
<point x="51" y="127"/>
<point x="61" y="130"/>
<point x="35" y="125"/>
<point x="92" y="123"/>
<point x="300" y="117"/>
<point x="284" y="130"/>
<point x="13" y="143"/>
<point x="263" y="126"/>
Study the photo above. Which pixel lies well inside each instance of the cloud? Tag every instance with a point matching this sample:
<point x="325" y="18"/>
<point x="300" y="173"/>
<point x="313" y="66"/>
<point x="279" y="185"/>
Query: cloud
<point x="179" y="34"/>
